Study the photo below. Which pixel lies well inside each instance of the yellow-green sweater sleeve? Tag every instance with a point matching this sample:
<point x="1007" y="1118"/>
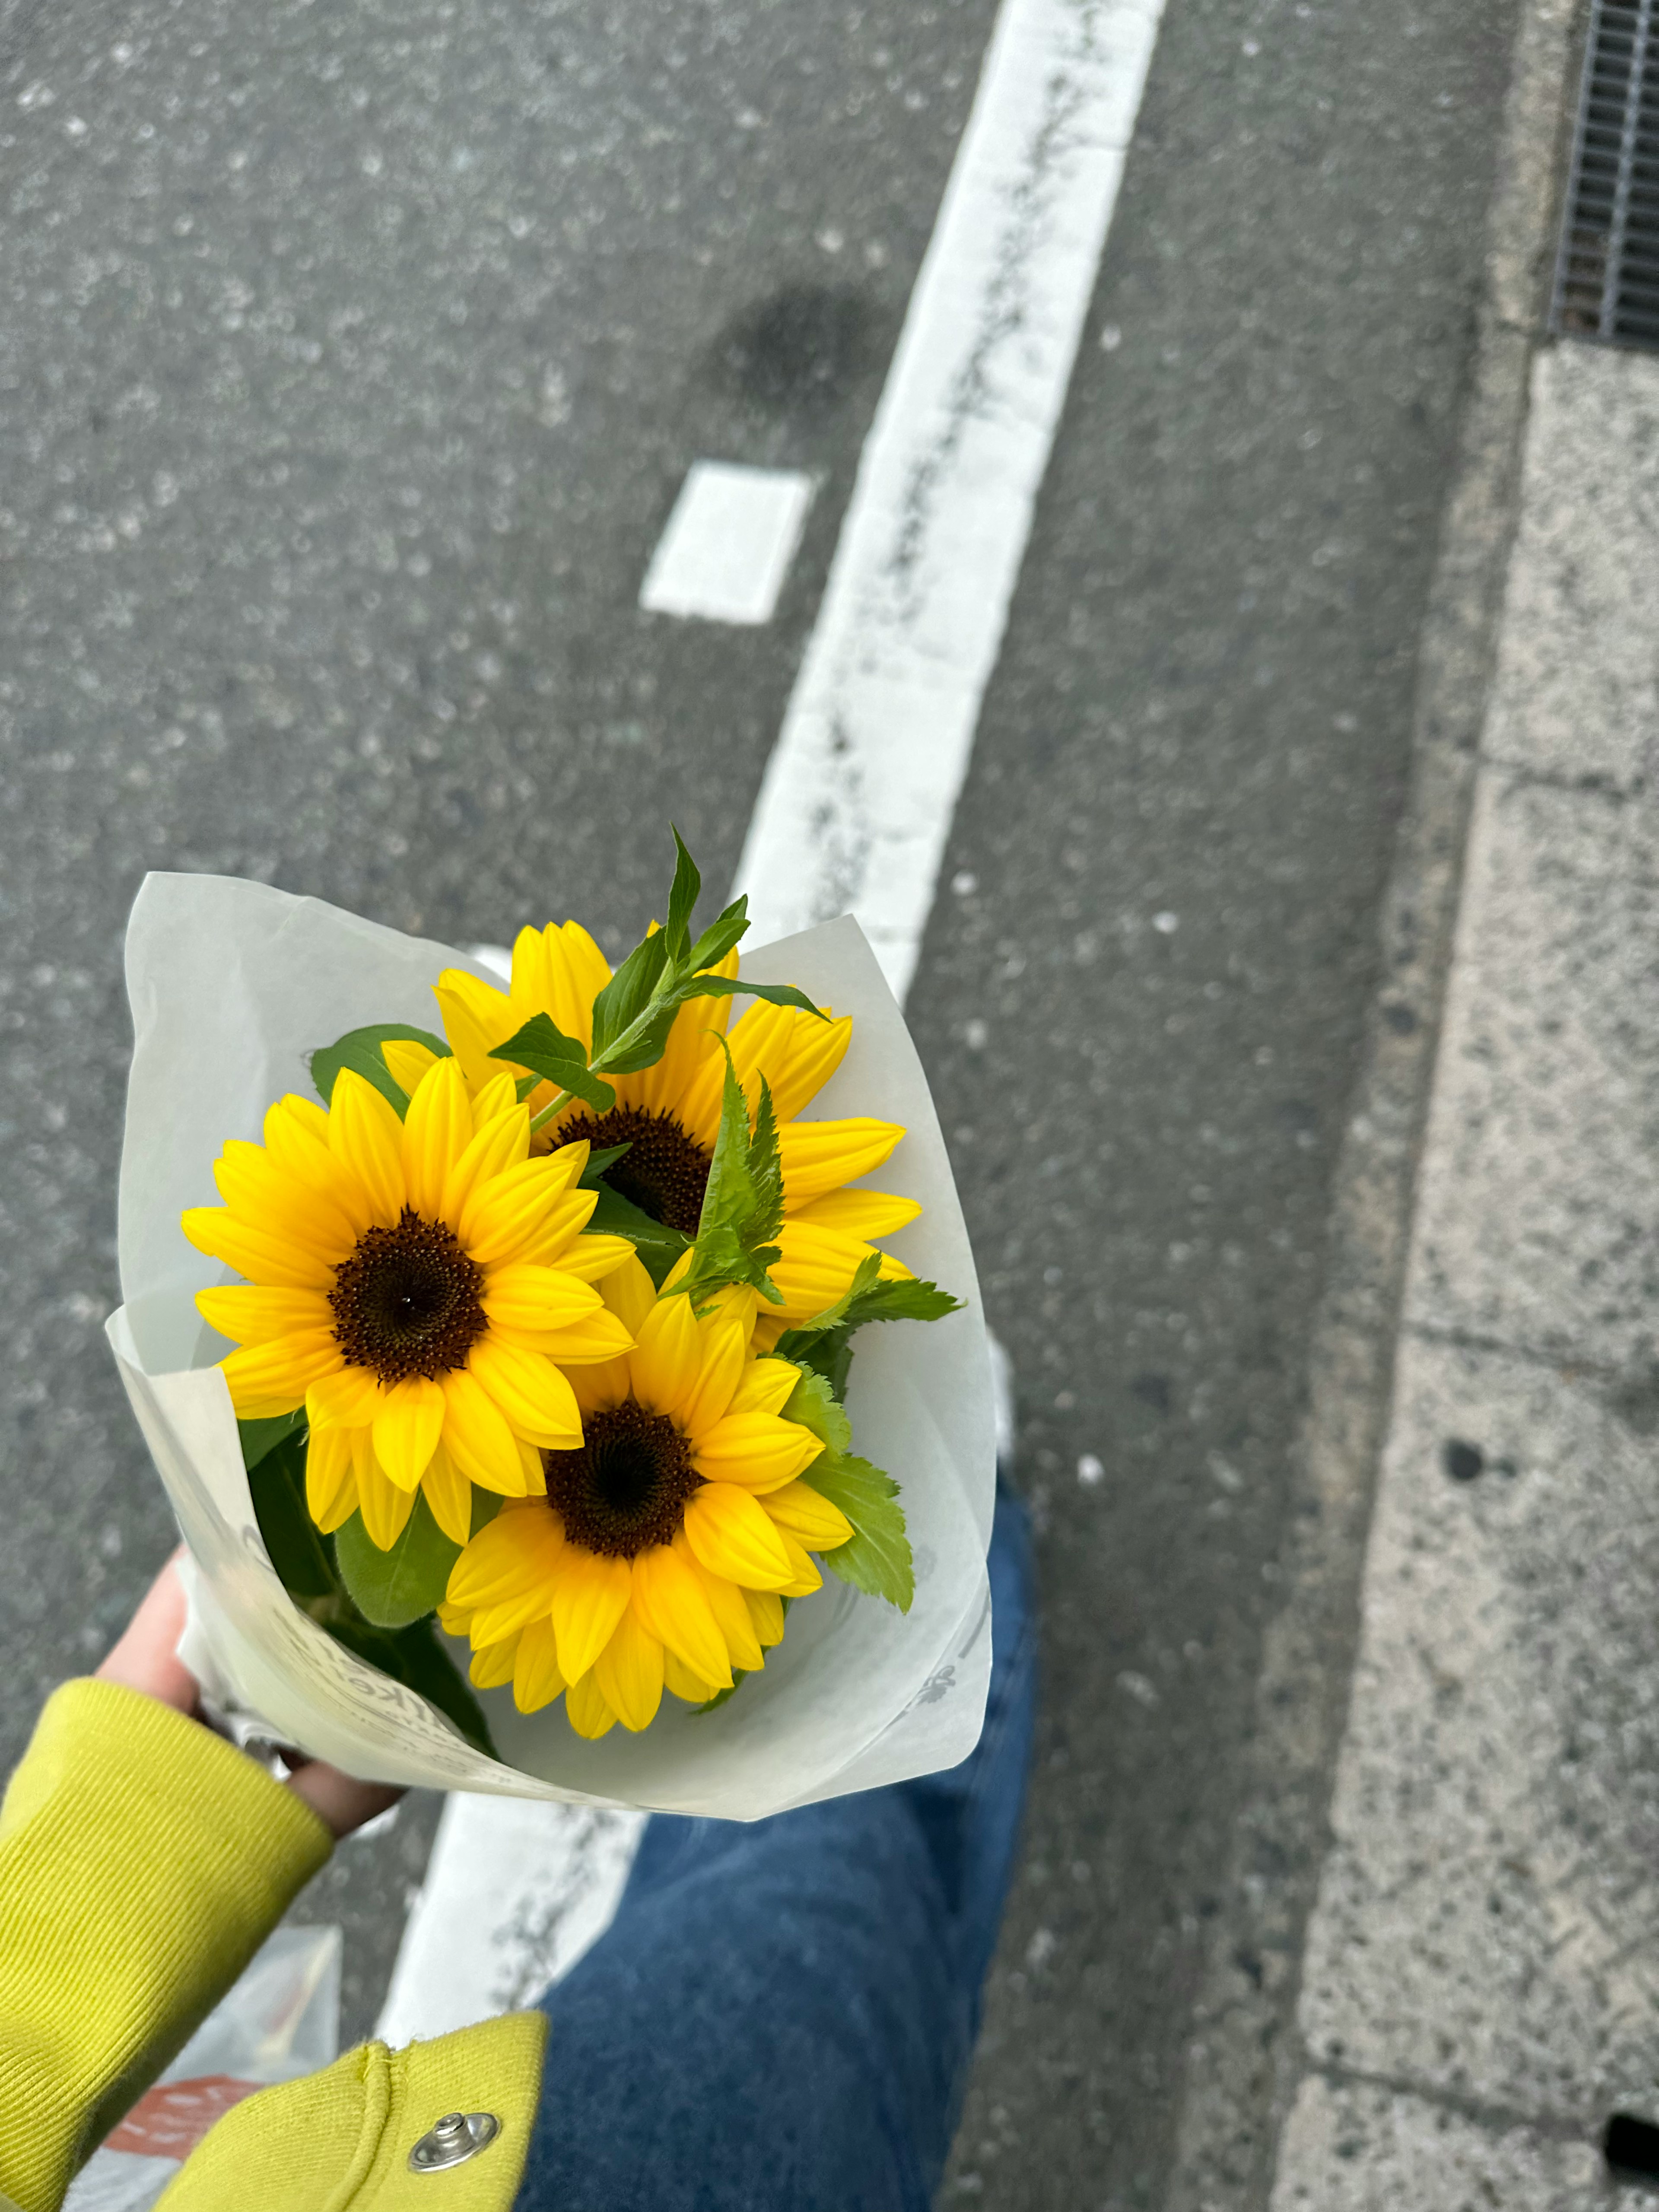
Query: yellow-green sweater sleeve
<point x="143" y="1862"/>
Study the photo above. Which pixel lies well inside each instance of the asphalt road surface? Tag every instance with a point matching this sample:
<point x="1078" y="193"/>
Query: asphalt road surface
<point x="350" y="364"/>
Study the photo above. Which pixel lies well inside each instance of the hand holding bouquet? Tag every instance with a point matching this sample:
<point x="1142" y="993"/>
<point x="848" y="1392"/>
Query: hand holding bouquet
<point x="544" y="1332"/>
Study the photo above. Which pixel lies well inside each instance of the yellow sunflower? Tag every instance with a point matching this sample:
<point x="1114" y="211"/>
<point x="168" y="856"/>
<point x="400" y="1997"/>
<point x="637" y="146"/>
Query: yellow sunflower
<point x="417" y="1286"/>
<point x="668" y="1116"/>
<point x="665" y="1544"/>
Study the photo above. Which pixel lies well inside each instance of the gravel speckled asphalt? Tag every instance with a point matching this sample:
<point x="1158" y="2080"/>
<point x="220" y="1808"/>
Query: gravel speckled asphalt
<point x="349" y="366"/>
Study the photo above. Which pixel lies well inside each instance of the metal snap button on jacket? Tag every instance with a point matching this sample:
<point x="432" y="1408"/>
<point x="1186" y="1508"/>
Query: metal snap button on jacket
<point x="453" y="2140"/>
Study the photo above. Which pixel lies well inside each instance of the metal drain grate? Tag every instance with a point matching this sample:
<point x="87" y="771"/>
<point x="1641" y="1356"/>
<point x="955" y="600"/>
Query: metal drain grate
<point x="1606" y="284"/>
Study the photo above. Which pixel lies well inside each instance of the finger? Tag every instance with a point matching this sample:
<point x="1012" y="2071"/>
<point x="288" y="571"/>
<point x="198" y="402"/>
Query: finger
<point x="336" y="1799"/>
<point x="145" y="1658"/>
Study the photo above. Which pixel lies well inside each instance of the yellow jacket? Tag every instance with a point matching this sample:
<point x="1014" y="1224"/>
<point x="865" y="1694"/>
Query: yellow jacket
<point x="143" y="1862"/>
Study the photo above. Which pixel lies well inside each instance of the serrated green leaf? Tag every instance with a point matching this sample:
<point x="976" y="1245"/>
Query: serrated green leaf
<point x="867" y="1298"/>
<point x="394" y="1589"/>
<point x="544" y="1048"/>
<point x="815" y="1405"/>
<point x="742" y="1199"/>
<point x="681" y="901"/>
<point x="360" y="1050"/>
<point x="876" y="1558"/>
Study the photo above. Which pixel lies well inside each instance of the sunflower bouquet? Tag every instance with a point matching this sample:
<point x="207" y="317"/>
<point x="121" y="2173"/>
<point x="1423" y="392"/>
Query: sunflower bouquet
<point x="506" y="1396"/>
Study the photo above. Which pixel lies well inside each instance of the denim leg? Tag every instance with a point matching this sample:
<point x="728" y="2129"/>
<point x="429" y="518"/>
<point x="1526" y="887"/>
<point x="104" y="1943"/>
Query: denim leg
<point x="781" y="2015"/>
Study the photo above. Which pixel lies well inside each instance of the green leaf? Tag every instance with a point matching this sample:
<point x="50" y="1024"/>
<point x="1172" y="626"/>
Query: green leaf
<point x="681" y="901"/>
<point x="742" y="1199"/>
<point x="546" y="1050"/>
<point x="598" y="1162"/>
<point x="815" y="1406"/>
<point x="866" y="1298"/>
<point x="626" y="998"/>
<point x="415" y="1657"/>
<point x="876" y="1558"/>
<point x="260" y="1437"/>
<point x="360" y="1050"/>
<point x="728" y="928"/>
<point x="394" y="1589"/>
<point x="658" y="1245"/>
<point x="277" y="1483"/>
<point x="734" y="986"/>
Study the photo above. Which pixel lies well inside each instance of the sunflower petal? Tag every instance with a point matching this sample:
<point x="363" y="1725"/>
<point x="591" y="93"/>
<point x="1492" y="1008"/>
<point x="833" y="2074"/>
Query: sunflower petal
<point x="819" y="1157"/>
<point x="437" y="1130"/>
<point x="449" y="1494"/>
<point x="493" y="1664"/>
<point x="475" y="1018"/>
<point x="586" y="1709"/>
<point x="477" y="1436"/>
<point x="670" y="1598"/>
<point x="806" y="1575"/>
<point x="260" y="1191"/>
<point x="630" y="1293"/>
<point x="628" y="1673"/>
<point x="590" y="1258"/>
<point x="264" y="1256"/>
<point x="600" y="1337"/>
<point x="408" y="1423"/>
<point x="502" y="1142"/>
<point x="247" y="1314"/>
<point x="598" y="1389"/>
<point x="365" y="1136"/>
<point x="407" y="1061"/>
<point x="347" y="1400"/>
<point x="816" y="1266"/>
<point x="816" y="1051"/>
<point x="726" y="1602"/>
<point x="384" y="1507"/>
<point x="757" y="1451"/>
<point x="814" y="1522"/>
<point x="535" y="1677"/>
<point x="331" y="1478"/>
<point x="535" y="1399"/>
<point x="725" y="1352"/>
<point x="677" y="1677"/>
<point x="667" y="1358"/>
<point x="732" y="1536"/>
<point x="589" y="1598"/>
<point x="267" y="1379"/>
<point x="523" y="1208"/>
<point x="527" y="1297"/>
<point x="862" y="1215"/>
<point x="766" y="1612"/>
<point x="520" y="1550"/>
<point x="767" y="1386"/>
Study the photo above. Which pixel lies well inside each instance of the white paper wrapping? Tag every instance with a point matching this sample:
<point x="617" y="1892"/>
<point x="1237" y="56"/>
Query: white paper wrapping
<point x="233" y="985"/>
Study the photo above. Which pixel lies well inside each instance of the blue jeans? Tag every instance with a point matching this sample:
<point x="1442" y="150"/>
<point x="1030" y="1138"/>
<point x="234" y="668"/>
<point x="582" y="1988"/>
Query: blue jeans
<point x="781" y="2015"/>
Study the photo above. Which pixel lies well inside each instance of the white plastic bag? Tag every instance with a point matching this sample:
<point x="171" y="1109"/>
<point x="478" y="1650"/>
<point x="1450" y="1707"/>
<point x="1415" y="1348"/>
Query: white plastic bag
<point x="281" y="2019"/>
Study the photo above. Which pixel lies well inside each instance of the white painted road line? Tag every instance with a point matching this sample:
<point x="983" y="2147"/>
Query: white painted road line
<point x="858" y="796"/>
<point x="726" y="547"/>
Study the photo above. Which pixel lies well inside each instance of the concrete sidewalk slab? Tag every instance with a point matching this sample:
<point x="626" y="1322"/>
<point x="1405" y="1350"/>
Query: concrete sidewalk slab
<point x="1576" y="688"/>
<point x="1352" y="2146"/>
<point x="1484" y="1926"/>
<point x="1539" y="1199"/>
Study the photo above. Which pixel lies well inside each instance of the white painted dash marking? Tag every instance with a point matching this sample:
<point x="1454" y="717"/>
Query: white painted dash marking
<point x="726" y="547"/>
<point x="858" y="796"/>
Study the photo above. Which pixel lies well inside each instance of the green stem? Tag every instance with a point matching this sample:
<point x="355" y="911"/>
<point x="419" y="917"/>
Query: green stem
<point x="541" y="1120"/>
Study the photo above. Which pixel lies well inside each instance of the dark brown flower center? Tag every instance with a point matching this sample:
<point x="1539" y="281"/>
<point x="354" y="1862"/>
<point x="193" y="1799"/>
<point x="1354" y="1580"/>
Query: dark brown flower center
<point x="664" y="1172"/>
<point x="626" y="1489"/>
<point x="407" y="1302"/>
